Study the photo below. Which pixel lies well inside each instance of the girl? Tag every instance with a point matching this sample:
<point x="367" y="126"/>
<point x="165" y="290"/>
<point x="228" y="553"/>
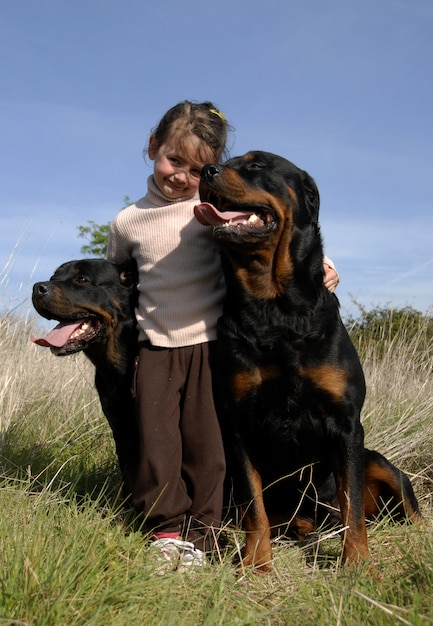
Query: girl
<point x="179" y="483"/>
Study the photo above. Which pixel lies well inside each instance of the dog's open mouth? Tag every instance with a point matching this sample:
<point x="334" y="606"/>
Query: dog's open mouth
<point x="208" y="215"/>
<point x="70" y="335"/>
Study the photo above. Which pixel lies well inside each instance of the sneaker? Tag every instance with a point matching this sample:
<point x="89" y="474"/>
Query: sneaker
<point x="175" y="554"/>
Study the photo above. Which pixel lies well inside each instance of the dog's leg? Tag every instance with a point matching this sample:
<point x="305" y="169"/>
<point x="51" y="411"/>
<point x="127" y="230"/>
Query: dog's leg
<point x="388" y="490"/>
<point x="256" y="523"/>
<point x="349" y="478"/>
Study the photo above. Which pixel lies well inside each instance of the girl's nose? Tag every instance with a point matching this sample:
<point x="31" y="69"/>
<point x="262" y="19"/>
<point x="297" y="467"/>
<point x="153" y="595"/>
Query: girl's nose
<point x="181" y="176"/>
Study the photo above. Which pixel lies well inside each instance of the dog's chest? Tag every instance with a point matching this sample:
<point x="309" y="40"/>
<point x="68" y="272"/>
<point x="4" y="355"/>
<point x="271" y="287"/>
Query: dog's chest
<point x="261" y="372"/>
<point x="265" y="381"/>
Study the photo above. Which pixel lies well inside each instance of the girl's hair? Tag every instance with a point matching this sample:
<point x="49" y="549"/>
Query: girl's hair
<point x="203" y="120"/>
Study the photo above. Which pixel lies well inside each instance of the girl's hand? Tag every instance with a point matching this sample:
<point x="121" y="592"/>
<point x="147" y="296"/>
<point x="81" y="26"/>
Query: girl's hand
<point x="331" y="278"/>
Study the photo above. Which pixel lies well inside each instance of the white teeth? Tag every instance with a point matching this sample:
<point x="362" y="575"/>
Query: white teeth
<point x="80" y="330"/>
<point x="252" y="219"/>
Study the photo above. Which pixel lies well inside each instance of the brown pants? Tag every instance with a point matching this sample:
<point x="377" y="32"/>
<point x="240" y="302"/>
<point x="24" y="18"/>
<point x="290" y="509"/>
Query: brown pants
<point x="179" y="486"/>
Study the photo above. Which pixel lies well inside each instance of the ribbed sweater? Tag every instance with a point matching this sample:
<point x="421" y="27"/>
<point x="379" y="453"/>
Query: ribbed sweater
<point x="181" y="287"/>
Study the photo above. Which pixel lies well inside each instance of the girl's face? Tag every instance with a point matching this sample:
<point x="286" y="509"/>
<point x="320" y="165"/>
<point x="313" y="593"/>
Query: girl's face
<point x="177" y="166"/>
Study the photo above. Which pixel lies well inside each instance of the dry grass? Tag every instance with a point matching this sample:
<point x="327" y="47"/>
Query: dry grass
<point x="51" y="423"/>
<point x="398" y="412"/>
<point x="69" y="556"/>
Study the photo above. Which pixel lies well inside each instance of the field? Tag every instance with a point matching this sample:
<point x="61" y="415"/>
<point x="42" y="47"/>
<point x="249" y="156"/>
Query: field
<point x="71" y="554"/>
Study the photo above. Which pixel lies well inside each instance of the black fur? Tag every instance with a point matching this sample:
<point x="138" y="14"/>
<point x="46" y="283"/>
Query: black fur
<point x="290" y="383"/>
<point x="103" y="296"/>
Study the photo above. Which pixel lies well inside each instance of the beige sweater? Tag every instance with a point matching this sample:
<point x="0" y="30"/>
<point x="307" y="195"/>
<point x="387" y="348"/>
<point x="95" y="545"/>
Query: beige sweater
<point x="181" y="286"/>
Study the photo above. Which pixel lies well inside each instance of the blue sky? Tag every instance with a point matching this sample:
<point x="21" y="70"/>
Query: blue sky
<point x="342" y="89"/>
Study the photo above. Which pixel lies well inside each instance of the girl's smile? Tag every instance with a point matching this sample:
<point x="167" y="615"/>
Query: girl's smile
<point x="177" y="166"/>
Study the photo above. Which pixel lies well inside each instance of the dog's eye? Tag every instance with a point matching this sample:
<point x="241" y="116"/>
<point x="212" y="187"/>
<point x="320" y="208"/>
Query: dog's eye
<point x="82" y="280"/>
<point x="255" y="165"/>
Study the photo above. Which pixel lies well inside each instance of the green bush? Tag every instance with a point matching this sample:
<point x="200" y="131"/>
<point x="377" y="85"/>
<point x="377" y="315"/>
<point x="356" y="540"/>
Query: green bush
<point x="384" y="324"/>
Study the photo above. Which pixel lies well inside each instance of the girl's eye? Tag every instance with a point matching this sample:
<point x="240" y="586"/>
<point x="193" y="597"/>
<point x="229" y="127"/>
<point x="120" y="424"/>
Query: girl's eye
<point x="196" y="173"/>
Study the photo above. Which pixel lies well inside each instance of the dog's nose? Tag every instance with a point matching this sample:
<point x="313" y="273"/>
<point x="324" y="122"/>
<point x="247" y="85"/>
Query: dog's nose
<point x="209" y="172"/>
<point x="40" y="289"/>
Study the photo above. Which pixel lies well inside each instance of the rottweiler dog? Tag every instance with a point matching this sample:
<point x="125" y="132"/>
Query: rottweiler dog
<point x="290" y="383"/>
<point x="94" y="302"/>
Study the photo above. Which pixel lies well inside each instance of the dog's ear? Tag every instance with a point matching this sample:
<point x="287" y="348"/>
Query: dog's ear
<point x="311" y="195"/>
<point x="128" y="274"/>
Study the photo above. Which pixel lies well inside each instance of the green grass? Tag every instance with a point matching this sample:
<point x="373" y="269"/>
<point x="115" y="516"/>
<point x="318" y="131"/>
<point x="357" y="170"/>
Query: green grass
<point x="69" y="554"/>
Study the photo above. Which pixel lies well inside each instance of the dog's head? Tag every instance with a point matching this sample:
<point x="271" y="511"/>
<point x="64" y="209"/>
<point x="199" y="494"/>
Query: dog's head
<point x="255" y="195"/>
<point x="262" y="207"/>
<point x="89" y="298"/>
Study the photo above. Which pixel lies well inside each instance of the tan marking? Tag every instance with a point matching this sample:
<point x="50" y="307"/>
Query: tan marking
<point x="377" y="476"/>
<point x="355" y="544"/>
<point x="259" y="285"/>
<point x="270" y="267"/>
<point x="242" y="382"/>
<point x="112" y="349"/>
<point x="327" y="378"/>
<point x="265" y="272"/>
<point x="281" y="525"/>
<point x="292" y="194"/>
<point x="258" y="533"/>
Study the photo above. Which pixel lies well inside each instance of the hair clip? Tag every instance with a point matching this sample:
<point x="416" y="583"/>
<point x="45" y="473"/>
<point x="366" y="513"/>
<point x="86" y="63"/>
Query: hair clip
<point x="221" y="115"/>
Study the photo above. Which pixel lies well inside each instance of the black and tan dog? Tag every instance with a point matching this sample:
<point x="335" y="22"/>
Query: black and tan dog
<point x="290" y="381"/>
<point x="94" y="301"/>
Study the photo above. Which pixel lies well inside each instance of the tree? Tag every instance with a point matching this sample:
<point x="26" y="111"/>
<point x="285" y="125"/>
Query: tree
<point x="97" y="235"/>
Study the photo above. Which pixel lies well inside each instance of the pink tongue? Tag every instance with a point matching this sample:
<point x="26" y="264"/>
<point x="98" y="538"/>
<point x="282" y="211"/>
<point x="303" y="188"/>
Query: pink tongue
<point x="207" y="215"/>
<point x="57" y="337"/>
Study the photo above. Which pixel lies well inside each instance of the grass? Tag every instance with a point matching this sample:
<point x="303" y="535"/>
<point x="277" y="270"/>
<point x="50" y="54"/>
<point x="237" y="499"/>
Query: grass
<point x="70" y="555"/>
